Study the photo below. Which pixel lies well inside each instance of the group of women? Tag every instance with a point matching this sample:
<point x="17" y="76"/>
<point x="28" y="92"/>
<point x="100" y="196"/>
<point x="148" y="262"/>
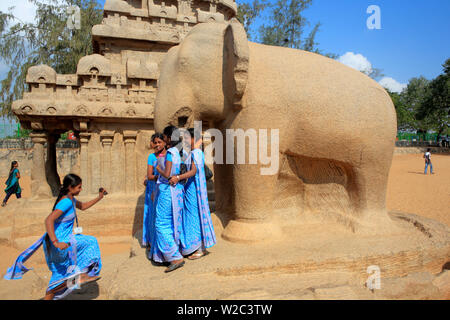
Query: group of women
<point x="177" y="221"/>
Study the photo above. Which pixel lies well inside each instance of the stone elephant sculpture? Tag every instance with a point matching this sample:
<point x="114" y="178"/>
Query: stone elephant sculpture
<point x="337" y="130"/>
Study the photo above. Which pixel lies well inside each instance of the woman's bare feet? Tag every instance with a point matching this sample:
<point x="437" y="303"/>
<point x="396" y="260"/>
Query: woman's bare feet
<point x="49" y="295"/>
<point x="84" y="278"/>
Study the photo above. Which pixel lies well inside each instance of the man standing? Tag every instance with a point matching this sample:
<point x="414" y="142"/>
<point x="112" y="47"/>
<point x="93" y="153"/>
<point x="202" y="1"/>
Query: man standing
<point x="427" y="157"/>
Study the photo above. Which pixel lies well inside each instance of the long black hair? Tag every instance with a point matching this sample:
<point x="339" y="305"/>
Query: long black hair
<point x="173" y="133"/>
<point x="194" y="134"/>
<point x="71" y="180"/>
<point x="12" y="166"/>
<point x="157" y="135"/>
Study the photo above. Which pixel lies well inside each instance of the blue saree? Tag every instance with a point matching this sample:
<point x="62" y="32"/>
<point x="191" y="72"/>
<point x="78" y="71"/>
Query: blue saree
<point x="198" y="230"/>
<point x="82" y="256"/>
<point x="148" y="229"/>
<point x="168" y="213"/>
<point x="12" y="184"/>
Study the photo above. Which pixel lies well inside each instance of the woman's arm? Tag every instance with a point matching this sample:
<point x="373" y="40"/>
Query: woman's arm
<point x="50" y="227"/>
<point x="187" y="175"/>
<point x="86" y="205"/>
<point x="150" y="175"/>
<point x="166" y="172"/>
<point x="18" y="174"/>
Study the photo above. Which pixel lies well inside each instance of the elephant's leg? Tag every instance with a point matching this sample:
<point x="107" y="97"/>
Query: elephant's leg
<point x="368" y="196"/>
<point x="253" y="203"/>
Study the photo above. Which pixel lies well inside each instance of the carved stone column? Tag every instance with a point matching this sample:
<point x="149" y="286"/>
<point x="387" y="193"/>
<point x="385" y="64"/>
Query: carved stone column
<point x="107" y="139"/>
<point x="51" y="170"/>
<point x="39" y="185"/>
<point x="130" y="160"/>
<point x="84" y="160"/>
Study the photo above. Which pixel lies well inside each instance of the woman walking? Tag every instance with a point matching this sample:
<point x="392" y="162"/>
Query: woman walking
<point x="12" y="184"/>
<point x="148" y="226"/>
<point x="70" y="255"/>
<point x="169" y="206"/>
<point x="198" y="231"/>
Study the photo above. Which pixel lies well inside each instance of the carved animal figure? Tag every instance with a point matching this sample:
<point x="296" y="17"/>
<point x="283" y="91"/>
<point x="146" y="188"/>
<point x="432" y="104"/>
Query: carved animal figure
<point x="337" y="126"/>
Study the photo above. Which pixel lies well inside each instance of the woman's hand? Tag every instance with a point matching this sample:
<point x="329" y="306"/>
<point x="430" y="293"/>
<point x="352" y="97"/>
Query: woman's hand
<point x="61" y="245"/>
<point x="198" y="144"/>
<point x="145" y="182"/>
<point x="100" y="194"/>
<point x="159" y="170"/>
<point x="174" y="180"/>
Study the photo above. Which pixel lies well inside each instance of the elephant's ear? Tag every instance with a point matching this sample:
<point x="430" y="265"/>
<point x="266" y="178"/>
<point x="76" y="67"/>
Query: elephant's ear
<point x="236" y="59"/>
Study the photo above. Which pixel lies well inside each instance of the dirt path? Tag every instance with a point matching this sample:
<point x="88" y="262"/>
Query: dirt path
<point x="410" y="190"/>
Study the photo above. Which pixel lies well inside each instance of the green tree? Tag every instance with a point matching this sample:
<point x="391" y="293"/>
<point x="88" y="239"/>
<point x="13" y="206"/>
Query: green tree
<point x="287" y="27"/>
<point x="247" y="12"/>
<point x="47" y="40"/>
<point x="414" y="96"/>
<point x="375" y="73"/>
<point x="435" y="107"/>
<point x="405" y="118"/>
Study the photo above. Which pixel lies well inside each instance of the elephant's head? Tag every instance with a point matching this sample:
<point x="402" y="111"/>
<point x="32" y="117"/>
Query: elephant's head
<point x="203" y="77"/>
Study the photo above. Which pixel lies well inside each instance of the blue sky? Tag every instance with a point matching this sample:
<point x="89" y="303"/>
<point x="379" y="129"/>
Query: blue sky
<point x="413" y="41"/>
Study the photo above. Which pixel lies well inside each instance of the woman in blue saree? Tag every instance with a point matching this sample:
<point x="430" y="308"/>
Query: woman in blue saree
<point x="70" y="255"/>
<point x="169" y="206"/>
<point x="12" y="184"/>
<point x="198" y="231"/>
<point x="148" y="225"/>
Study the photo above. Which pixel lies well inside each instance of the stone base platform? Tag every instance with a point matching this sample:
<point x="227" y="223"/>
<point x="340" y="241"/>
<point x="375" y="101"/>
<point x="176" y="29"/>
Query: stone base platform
<point x="310" y="262"/>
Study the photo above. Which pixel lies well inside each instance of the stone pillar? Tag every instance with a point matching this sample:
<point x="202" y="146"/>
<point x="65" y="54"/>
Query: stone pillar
<point x="39" y="185"/>
<point x="51" y="170"/>
<point x="130" y="160"/>
<point x="107" y="139"/>
<point x="84" y="164"/>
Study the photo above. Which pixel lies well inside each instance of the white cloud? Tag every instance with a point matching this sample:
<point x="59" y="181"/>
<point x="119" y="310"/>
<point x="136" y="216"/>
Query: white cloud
<point x="361" y="63"/>
<point x="24" y="10"/>
<point x="392" y="84"/>
<point x="356" y="61"/>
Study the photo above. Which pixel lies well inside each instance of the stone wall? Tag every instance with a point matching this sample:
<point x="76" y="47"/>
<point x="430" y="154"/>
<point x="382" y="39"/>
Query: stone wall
<point x="68" y="155"/>
<point x="21" y="151"/>
<point x="407" y="150"/>
<point x="419" y="144"/>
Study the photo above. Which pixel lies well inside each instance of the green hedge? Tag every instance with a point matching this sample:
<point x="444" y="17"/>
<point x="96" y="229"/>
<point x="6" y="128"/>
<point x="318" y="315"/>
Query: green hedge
<point x="418" y="137"/>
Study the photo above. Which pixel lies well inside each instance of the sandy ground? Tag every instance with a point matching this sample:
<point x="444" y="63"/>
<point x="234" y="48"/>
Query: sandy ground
<point x="409" y="190"/>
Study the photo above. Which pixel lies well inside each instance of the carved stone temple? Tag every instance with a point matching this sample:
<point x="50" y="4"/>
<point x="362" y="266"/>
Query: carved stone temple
<point x="109" y="102"/>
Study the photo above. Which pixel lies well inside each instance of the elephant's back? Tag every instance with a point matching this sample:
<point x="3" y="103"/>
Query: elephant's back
<point x="318" y="94"/>
<point x="308" y="82"/>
